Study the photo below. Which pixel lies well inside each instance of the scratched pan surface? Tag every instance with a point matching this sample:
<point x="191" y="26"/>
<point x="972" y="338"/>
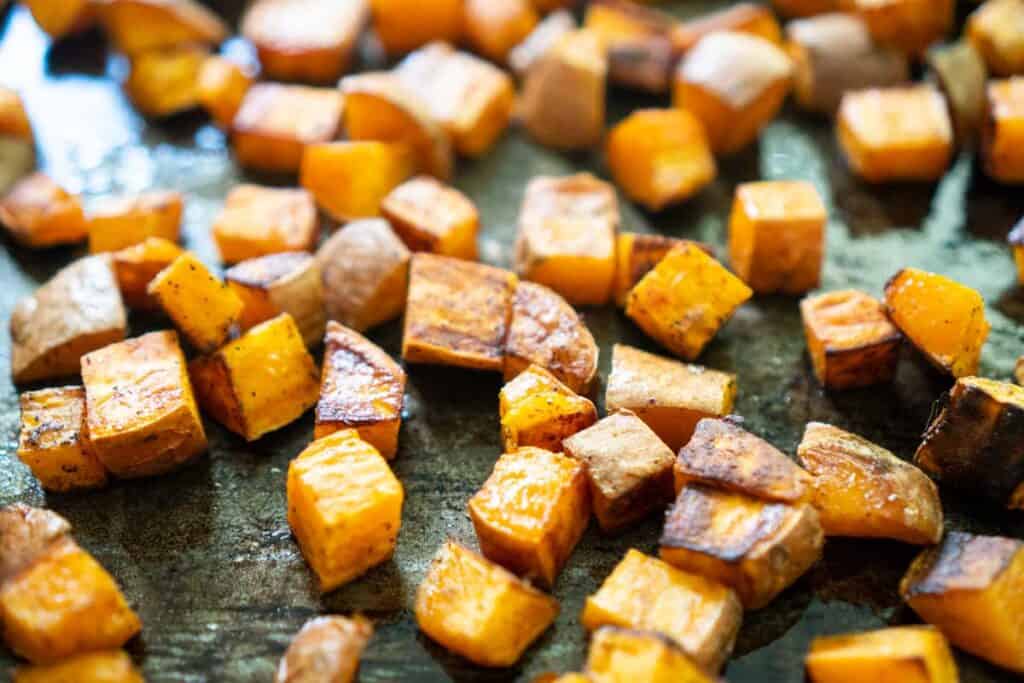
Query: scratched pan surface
<point x="205" y="554"/>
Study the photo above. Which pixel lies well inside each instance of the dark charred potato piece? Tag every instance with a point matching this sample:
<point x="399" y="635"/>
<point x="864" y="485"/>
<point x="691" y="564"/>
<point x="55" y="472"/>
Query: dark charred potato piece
<point x="625" y="655"/>
<point x="325" y="650"/>
<point x="281" y="283"/>
<point x="960" y="73"/>
<point x="54" y="440"/>
<point x="547" y="33"/>
<point x="640" y="52"/>
<point x="903" y="653"/>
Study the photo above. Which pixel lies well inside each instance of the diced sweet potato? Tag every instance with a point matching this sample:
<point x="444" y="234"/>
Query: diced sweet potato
<point x="17" y="142"/>
<point x="281" y="283"/>
<point x="944" y="319"/>
<point x="259" y="382"/>
<point x="220" y="88"/>
<point x="671" y="397"/>
<point x="60" y="18"/>
<point x="275" y="122"/>
<point x="891" y="134"/>
<point x="27" y="534"/>
<point x="37" y="212"/>
<point x="344" y="507"/>
<point x="702" y="616"/>
<point x="54" y="440"/>
<point x="137" y="26"/>
<point x="547" y="331"/>
<point x="759" y="548"/>
<point x="257" y="221"/>
<point x="629" y="469"/>
<point x="660" y="157"/>
<point x="994" y="29"/>
<point x="350" y="179"/>
<point x="685" y="300"/>
<point x="380" y="106"/>
<point x="850" y="339"/>
<point x="742" y="17"/>
<point x="494" y="28"/>
<point x="538" y="410"/>
<point x="618" y="654"/>
<point x="1003" y="133"/>
<point x="918" y="654"/>
<point x="165" y="82"/>
<point x="861" y="489"/>
<point x="325" y="649"/>
<point x="972" y="588"/>
<point x="735" y="84"/>
<point x="545" y="36"/>
<point x="637" y="254"/>
<point x="141" y="413"/>
<point x="14" y="121"/>
<point x="136" y="266"/>
<point x="361" y="388"/>
<point x="478" y="610"/>
<point x="566" y="240"/>
<point x="402" y="25"/>
<point x="365" y="270"/>
<point x="122" y="222"/>
<point x="431" y="216"/>
<point x="531" y="512"/>
<point x="908" y="25"/>
<point x="305" y="41"/>
<point x="1016" y="241"/>
<point x="77" y="311"/>
<point x="458" y="313"/>
<point x="640" y="51"/>
<point x="960" y="73"/>
<point x="109" y="666"/>
<point x="805" y="8"/>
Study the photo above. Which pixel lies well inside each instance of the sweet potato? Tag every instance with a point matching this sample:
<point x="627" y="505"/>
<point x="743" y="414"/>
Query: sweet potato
<point x="325" y="649"/>
<point x="165" y="82"/>
<point x="344" y="507"/>
<point x="136" y="266"/>
<point x="60" y="18"/>
<point x="960" y="73"/>
<point x="994" y="29"/>
<point x="109" y="666"/>
<point x="1003" y="132"/>
<point x="861" y="489"/>
<point x="258" y="221"/>
<point x="618" y="654"/>
<point x="536" y="409"/>
<point x="742" y="17"/>
<point x="138" y="26"/>
<point x="700" y="615"/>
<point x="54" y="440"/>
<point x="546" y="35"/>
<point x="494" y="28"/>
<point x="37" y="213"/>
<point x="281" y="283"/>
<point x="1016" y="241"/>
<point x="640" y="51"/>
<point x="901" y="653"/>
<point x="404" y="25"/>
<point x="908" y="25"/>
<point x="122" y="222"/>
<point x="220" y="88"/>
<point x="17" y="141"/>
<point x="478" y="610"/>
<point x="805" y="8"/>
<point x="351" y="179"/>
<point x="431" y="216"/>
<point x="361" y="388"/>
<point x="637" y="254"/>
<point x="27" y="534"/>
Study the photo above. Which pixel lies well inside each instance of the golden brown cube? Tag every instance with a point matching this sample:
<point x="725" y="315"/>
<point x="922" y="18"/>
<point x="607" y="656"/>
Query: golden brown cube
<point x="494" y="28"/>
<point x="257" y="221"/>
<point x="908" y="25"/>
<point x="325" y="649"/>
<point x="431" y="216"/>
<point x="351" y="179"/>
<point x="136" y="266"/>
<point x="138" y="26"/>
<point x="165" y="82"/>
<point x="1003" y="132"/>
<point x="60" y="18"/>
<point x="637" y="254"/>
<point x="548" y="32"/>
<point x="38" y="213"/>
<point x="108" y="666"/>
<point x="281" y="283"/>
<point x="122" y="222"/>
<point x="404" y="25"/>
<point x="618" y="654"/>
<point x="638" y="40"/>
<point x="538" y="410"/>
<point x="994" y="29"/>
<point x="918" y="654"/>
<point x="221" y="86"/>
<point x="54" y="440"/>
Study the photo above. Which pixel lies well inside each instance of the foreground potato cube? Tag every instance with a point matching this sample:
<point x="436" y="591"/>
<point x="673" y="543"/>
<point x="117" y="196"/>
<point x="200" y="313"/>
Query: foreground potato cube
<point x="478" y="610"/>
<point x="361" y="388"/>
<point x="109" y="666"/>
<point x="138" y="26"/>
<point x="756" y="547"/>
<point x="1004" y="131"/>
<point x="850" y="339"/>
<point x="142" y="415"/>
<point x="79" y="310"/>
<point x="137" y="265"/>
<point x="908" y="25"/>
<point x="637" y="254"/>
<point x="259" y="382"/>
<point x="165" y="82"/>
<point x="902" y="653"/>
<point x="431" y="216"/>
<point x="351" y="179"/>
<point x="325" y="647"/>
<point x="861" y="489"/>
<point x="625" y="655"/>
<point x="402" y="26"/>
<point x="702" y="616"/>
<point x="629" y="469"/>
<point x="221" y="87"/>
<point x="969" y="587"/>
<point x="777" y="236"/>
<point x="531" y="512"/>
<point x="685" y="300"/>
<point x="993" y="30"/>
<point x="257" y="221"/>
<point x="344" y="507"/>
<point x="38" y="213"/>
<point x="896" y="133"/>
<point x="538" y="410"/>
<point x="122" y="222"/>
<point x="281" y="283"/>
<point x="54" y="440"/>
<point x="458" y="313"/>
<point x="671" y="397"/>
<point x="944" y="319"/>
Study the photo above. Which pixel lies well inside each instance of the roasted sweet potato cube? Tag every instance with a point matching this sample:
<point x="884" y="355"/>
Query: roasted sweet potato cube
<point x="344" y="507"/>
<point x="685" y="300"/>
<point x="404" y="25"/>
<point x="563" y="97"/>
<point x="759" y="548"/>
<point x="14" y="119"/>
<point x="702" y="616"/>
<point x="136" y="266"/>
<point x="671" y="397"/>
<point x="805" y="8"/>
<point x="1016" y="241"/>
<point x="538" y="410"/>
<point x="259" y="382"/>
<point x="566" y="240"/>
<point x="381" y="106"/>
<point x="202" y="307"/>
<point x="350" y="179"/>
<point x="165" y="82"/>
<point x="37" y="212"/>
<point x="1003" y="133"/>
<point x="27" y="534"/>
<point x="60" y="18"/>
<point x="109" y="666"/>
<point x="546" y="35"/>
<point x="54" y="440"/>
<point x="494" y="28"/>
<point x="971" y="588"/>
<point x="138" y="26"/>
<point x="122" y="222"/>
<point x="903" y="653"/>
<point x="640" y="51"/>
<point x="17" y="142"/>
<point x="141" y="414"/>
<point x="305" y="41"/>
<point x="742" y="17"/>
<point x="850" y="339"/>
<point x="458" y="313"/>
<point x="637" y="254"/>
<point x="660" y="157"/>
<point x="361" y="388"/>
<point x="547" y="331"/>
<point x="431" y="216"/>
<point x="220" y="88"/>
<point x="327" y="649"/>
<point x="275" y="122"/>
<point x="77" y="311"/>
<point x="994" y="29"/>
<point x="908" y="25"/>
<point x="861" y="489"/>
<point x="628" y="467"/>
<point x="891" y="134"/>
<point x="281" y="283"/>
<point x="365" y="270"/>
<point x="944" y="319"/>
<point x="960" y="73"/>
<point x="478" y="610"/>
<point x="735" y="84"/>
<point x="257" y="221"/>
<point x="531" y="512"/>
<point x="618" y="654"/>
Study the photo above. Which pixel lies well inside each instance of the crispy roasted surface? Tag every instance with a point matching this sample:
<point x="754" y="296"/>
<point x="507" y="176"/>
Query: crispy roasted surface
<point x="431" y="216"/>
<point x="54" y="440"/>
<point x="289" y="282"/>
<point x="26" y="534"/>
<point x="915" y="654"/>
<point x="326" y="649"/>
<point x="536" y="409"/>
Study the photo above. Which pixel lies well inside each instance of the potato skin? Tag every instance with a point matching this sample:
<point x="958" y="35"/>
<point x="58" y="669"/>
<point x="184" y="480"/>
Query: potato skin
<point x="325" y="650"/>
<point x="26" y="534"/>
<point x="288" y="282"/>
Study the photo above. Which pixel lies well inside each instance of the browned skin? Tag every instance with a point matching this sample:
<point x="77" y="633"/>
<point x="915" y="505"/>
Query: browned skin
<point x="325" y="650"/>
<point x="26" y="534"/>
<point x="963" y="562"/>
<point x="263" y="271"/>
<point x="216" y="392"/>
